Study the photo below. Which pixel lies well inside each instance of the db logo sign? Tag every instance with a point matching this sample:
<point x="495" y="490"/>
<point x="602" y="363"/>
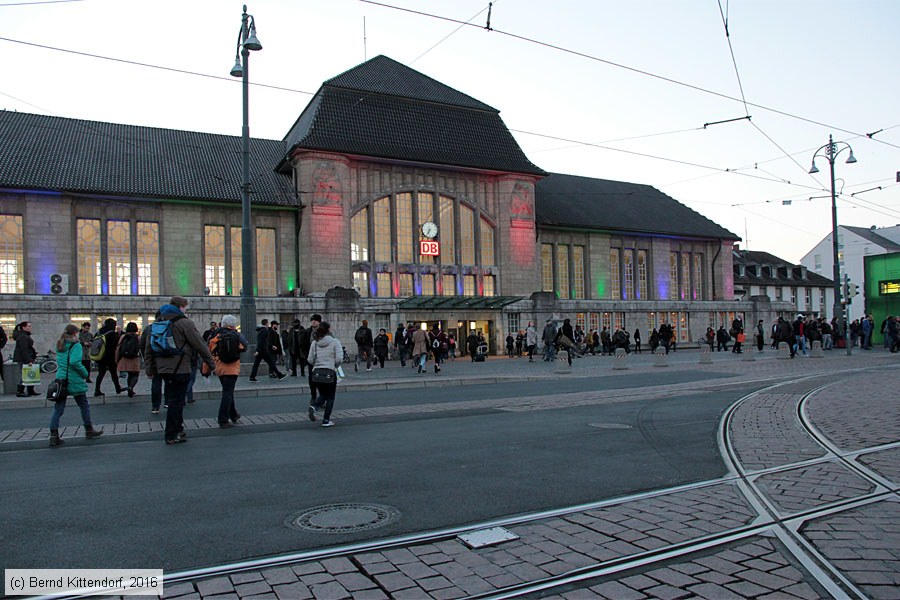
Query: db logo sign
<point x="429" y="248"/>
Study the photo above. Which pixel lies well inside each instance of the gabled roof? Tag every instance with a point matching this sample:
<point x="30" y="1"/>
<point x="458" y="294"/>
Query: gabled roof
<point x="870" y="236"/>
<point x="39" y="152"/>
<point x="584" y="202"/>
<point x="749" y="259"/>
<point x="383" y="109"/>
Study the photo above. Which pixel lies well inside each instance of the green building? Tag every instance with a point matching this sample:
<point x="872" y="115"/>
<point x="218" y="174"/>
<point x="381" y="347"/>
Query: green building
<point x="882" y="287"/>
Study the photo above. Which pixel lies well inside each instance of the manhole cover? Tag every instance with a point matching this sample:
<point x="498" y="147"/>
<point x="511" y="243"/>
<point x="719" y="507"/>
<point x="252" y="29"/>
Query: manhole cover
<point x="343" y="518"/>
<point x="609" y="425"/>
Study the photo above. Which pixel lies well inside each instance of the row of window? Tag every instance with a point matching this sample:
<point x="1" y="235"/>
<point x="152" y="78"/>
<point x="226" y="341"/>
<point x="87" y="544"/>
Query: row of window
<point x="383" y="231"/>
<point x="399" y="285"/>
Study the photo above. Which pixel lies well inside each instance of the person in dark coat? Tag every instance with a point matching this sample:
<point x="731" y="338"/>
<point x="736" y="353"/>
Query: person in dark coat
<point x="294" y="334"/>
<point x="24" y="354"/>
<point x="401" y="343"/>
<point x="264" y="351"/>
<point x="107" y="364"/>
<point x="380" y="345"/>
<point x="472" y="345"/>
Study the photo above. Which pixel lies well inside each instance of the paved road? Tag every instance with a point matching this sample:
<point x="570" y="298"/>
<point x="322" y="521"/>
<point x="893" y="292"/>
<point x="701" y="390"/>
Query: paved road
<point x="470" y="454"/>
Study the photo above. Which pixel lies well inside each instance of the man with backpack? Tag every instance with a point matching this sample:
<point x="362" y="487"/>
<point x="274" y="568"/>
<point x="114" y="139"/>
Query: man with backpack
<point x="264" y="350"/>
<point x="156" y="382"/>
<point x="103" y="352"/>
<point x="364" y="343"/>
<point x="172" y="344"/>
<point x="226" y="345"/>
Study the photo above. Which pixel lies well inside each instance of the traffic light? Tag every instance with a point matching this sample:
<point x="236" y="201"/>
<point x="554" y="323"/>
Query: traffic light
<point x="845" y="293"/>
<point x="853" y="290"/>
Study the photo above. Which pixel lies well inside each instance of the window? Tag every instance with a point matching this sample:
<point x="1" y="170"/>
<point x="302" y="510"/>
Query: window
<point x="466" y="235"/>
<point x="673" y="276"/>
<point x="487" y="244"/>
<point x="808" y="299"/>
<point x="628" y="271"/>
<point x="359" y="235"/>
<point x="578" y="270"/>
<point x="404" y="228"/>
<point x="147" y="243"/>
<point x="713" y="320"/>
<point x="382" y="211"/>
<point x="764" y="290"/>
<point x="512" y="322"/>
<point x="685" y="276"/>
<point x="817" y="259"/>
<point x="12" y="256"/>
<point x="619" y="319"/>
<point x="449" y="285"/>
<point x="546" y="267"/>
<point x="425" y="205"/>
<point x="490" y="288"/>
<point x="448" y="250"/>
<point x="237" y="264"/>
<point x="88" y="252"/>
<point x="594" y="319"/>
<point x="428" y="285"/>
<point x="383" y="285"/>
<point x="406" y="284"/>
<point x="361" y="283"/>
<point x="607" y="321"/>
<point x="562" y="271"/>
<point x="779" y="293"/>
<point x="468" y="285"/>
<point x="698" y="277"/>
<point x="579" y="321"/>
<point x="265" y="261"/>
<point x="119" y="250"/>
<point x="614" y="274"/>
<point x="794" y="296"/>
<point x="822" y="301"/>
<point x="214" y="259"/>
<point x="642" y="274"/>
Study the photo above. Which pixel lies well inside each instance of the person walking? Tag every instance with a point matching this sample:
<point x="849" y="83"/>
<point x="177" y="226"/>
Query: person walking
<point x="564" y="337"/>
<point x="760" y="336"/>
<point x="437" y="340"/>
<point x="294" y="346"/>
<point x="472" y="345"/>
<point x="275" y="344"/>
<point x="739" y="339"/>
<point x="307" y="337"/>
<point x="380" y="346"/>
<point x="264" y="350"/>
<point x="213" y="328"/>
<point x="24" y="354"/>
<point x="85" y="337"/>
<point x="530" y="340"/>
<point x="364" y="342"/>
<point x="325" y="354"/>
<point x="549" y="338"/>
<point x="173" y="361"/>
<point x="420" y="348"/>
<point x="156" y="382"/>
<point x="722" y="339"/>
<point x="451" y="345"/>
<point x="510" y="345"/>
<point x="107" y="362"/>
<point x="71" y="369"/>
<point x="401" y="343"/>
<point x="128" y="358"/>
<point x="226" y="346"/>
<point x="637" y="340"/>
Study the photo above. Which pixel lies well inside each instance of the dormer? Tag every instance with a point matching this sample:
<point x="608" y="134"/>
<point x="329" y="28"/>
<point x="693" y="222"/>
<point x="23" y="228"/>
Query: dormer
<point x="804" y="274"/>
<point x="757" y="270"/>
<point x="742" y="270"/>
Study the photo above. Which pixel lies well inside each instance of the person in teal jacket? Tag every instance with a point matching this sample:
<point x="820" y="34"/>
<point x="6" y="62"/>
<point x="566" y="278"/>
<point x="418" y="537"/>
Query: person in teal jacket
<point x="71" y="369"/>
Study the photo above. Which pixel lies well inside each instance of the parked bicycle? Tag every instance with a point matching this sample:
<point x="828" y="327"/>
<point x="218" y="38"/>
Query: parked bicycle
<point x="47" y="362"/>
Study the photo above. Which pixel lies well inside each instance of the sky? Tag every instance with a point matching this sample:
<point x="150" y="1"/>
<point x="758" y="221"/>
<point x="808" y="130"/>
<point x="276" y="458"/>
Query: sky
<point x="624" y="90"/>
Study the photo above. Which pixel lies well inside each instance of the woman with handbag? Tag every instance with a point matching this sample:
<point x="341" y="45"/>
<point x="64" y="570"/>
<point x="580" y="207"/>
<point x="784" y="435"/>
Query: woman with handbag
<point x="128" y="358"/>
<point x="325" y="356"/>
<point x="70" y="380"/>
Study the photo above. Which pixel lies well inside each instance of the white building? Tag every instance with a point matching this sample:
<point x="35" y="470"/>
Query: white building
<point x="854" y="243"/>
<point x="791" y="288"/>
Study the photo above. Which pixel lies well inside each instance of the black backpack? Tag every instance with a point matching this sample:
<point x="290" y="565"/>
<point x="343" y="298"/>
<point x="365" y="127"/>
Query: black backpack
<point x="131" y="345"/>
<point x="228" y="349"/>
<point x="361" y="337"/>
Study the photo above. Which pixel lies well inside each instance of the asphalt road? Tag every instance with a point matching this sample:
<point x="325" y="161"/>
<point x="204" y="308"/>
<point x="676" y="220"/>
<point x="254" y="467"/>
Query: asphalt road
<point x="223" y="497"/>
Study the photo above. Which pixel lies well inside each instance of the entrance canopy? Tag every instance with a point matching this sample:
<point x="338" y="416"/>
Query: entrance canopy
<point x="459" y="302"/>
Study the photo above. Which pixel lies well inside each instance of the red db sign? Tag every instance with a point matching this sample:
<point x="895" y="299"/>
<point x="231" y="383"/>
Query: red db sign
<point x="429" y="248"/>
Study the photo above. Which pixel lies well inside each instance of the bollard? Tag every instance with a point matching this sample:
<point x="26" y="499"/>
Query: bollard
<point x="747" y="354"/>
<point x="705" y="355"/>
<point x="621" y="363"/>
<point x="816" y="350"/>
<point x="784" y="351"/>
<point x="662" y="359"/>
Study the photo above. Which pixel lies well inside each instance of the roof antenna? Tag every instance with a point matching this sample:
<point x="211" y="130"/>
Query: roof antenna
<point x="488" y="26"/>
<point x="365" y="53"/>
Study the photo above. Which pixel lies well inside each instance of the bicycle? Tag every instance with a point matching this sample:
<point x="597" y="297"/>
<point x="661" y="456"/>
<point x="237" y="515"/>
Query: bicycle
<point x="47" y="362"/>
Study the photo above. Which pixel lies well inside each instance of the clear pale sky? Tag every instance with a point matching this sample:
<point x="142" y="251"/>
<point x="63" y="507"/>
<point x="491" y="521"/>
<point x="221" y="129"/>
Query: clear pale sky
<point x="833" y="63"/>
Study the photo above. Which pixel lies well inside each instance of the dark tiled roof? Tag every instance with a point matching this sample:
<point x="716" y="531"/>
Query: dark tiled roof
<point x="751" y="259"/>
<point x="38" y="152"/>
<point x="574" y="201"/>
<point x="382" y="109"/>
<point x="871" y="236"/>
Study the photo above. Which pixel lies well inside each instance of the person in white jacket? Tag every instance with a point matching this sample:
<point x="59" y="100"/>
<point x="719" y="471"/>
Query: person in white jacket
<point x="325" y="356"/>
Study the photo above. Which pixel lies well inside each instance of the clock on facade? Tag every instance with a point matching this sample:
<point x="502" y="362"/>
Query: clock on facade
<point x="429" y="229"/>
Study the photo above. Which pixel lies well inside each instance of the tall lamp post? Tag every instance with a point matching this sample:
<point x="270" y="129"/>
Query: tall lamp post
<point x="830" y="152"/>
<point x="246" y="42"/>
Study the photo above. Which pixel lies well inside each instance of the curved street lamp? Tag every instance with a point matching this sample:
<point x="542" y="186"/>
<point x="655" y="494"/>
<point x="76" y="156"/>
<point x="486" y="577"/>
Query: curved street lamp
<point x="830" y="152"/>
<point x="246" y="42"/>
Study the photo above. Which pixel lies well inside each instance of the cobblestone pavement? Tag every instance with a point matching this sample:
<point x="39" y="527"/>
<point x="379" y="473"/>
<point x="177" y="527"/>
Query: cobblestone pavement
<point x="810" y="511"/>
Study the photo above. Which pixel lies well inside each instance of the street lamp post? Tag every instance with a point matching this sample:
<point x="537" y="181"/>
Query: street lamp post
<point x="830" y="151"/>
<point x="246" y="42"/>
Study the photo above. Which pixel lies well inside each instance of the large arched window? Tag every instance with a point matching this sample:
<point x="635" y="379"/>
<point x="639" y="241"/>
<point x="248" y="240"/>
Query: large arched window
<point x="384" y="241"/>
